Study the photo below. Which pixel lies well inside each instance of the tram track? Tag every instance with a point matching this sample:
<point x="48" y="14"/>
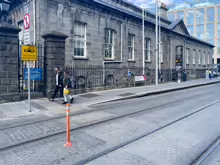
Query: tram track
<point x="8" y="147"/>
<point x="94" y="108"/>
<point x="207" y="152"/>
<point x="116" y="147"/>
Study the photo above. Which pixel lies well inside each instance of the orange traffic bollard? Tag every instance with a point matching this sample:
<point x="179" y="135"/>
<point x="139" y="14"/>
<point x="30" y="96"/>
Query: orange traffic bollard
<point x="68" y="143"/>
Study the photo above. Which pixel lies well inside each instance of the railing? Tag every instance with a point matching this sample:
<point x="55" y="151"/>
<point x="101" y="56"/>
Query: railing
<point x="38" y="86"/>
<point x="90" y="78"/>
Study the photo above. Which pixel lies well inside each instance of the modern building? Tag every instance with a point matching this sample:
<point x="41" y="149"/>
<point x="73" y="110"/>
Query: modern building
<point x="109" y="32"/>
<point x="202" y="21"/>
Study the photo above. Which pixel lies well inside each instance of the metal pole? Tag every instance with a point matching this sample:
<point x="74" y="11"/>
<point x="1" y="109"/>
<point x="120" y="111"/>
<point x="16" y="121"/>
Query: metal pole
<point x="29" y="87"/>
<point x="156" y="31"/>
<point x="159" y="46"/>
<point x="143" y="13"/>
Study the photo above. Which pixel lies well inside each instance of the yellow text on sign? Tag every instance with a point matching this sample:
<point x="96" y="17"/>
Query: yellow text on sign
<point x="29" y="53"/>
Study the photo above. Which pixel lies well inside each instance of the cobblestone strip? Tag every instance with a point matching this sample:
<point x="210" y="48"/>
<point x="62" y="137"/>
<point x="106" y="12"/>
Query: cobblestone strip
<point x="19" y="135"/>
<point x="22" y="134"/>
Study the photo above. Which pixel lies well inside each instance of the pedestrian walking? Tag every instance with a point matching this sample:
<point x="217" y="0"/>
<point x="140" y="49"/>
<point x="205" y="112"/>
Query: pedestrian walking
<point x="59" y="83"/>
<point x="67" y="85"/>
<point x="161" y="77"/>
<point x="207" y="74"/>
<point x="210" y="74"/>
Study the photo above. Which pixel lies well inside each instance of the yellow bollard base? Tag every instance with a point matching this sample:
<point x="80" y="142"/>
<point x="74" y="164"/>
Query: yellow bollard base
<point x="68" y="144"/>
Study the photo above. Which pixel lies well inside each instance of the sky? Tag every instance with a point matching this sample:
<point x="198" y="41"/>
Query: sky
<point x="171" y="3"/>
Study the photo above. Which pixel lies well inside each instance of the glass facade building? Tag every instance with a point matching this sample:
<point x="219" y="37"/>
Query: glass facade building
<point x="203" y="22"/>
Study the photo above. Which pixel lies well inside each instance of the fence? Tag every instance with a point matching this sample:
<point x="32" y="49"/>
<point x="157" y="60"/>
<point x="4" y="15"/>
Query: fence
<point x="90" y="78"/>
<point x="37" y="86"/>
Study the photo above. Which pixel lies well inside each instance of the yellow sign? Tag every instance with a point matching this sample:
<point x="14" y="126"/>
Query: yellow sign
<point x="29" y="53"/>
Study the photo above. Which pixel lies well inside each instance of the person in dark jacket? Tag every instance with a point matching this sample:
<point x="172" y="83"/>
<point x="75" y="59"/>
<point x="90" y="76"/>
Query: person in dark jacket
<point x="67" y="85"/>
<point x="59" y="83"/>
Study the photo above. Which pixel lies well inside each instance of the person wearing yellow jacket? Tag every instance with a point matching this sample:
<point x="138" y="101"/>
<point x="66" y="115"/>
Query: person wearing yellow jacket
<point x="67" y="85"/>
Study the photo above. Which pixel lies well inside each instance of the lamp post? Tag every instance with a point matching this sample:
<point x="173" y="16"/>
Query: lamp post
<point x="4" y="8"/>
<point x="143" y="41"/>
<point x="156" y="31"/>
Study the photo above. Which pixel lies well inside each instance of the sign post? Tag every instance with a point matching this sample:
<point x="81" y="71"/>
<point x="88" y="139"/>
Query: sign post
<point x="27" y="29"/>
<point x="29" y="87"/>
<point x="29" y="53"/>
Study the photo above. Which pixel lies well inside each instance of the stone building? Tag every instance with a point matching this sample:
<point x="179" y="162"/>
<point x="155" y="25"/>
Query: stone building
<point x="108" y="30"/>
<point x="108" y="33"/>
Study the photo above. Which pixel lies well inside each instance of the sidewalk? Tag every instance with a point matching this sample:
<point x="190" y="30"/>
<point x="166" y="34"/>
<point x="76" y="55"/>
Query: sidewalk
<point x="43" y="109"/>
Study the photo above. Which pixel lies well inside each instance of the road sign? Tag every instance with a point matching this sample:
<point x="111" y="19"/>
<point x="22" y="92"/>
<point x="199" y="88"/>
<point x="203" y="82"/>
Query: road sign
<point x="29" y="53"/>
<point x="27" y="21"/>
<point x="139" y="78"/>
<point x="27" y="37"/>
<point x="35" y="74"/>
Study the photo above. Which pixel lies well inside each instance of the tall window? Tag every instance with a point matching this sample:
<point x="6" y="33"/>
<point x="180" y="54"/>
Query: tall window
<point x="199" y="58"/>
<point x="190" y="30"/>
<point x="161" y="53"/>
<point x="210" y="16"/>
<point x="180" y="15"/>
<point x="21" y="33"/>
<point x="208" y="60"/>
<point x="190" y="17"/>
<point x="147" y="49"/>
<point x="194" y="56"/>
<point x="200" y="16"/>
<point x="200" y="31"/>
<point x="171" y="16"/>
<point x="210" y="32"/>
<point x="80" y="39"/>
<point x="109" y="43"/>
<point x="218" y="14"/>
<point x="204" y="56"/>
<point x="218" y="30"/>
<point x="130" y="46"/>
<point x="187" y="56"/>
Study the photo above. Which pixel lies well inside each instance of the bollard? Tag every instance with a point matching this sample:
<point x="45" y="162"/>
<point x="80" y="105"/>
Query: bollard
<point x="68" y="142"/>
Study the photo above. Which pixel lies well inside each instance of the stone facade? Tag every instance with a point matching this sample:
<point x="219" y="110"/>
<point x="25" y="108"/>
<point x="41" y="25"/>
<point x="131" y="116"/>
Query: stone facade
<point x="99" y="16"/>
<point x="123" y="17"/>
<point x="9" y="85"/>
<point x="55" y="56"/>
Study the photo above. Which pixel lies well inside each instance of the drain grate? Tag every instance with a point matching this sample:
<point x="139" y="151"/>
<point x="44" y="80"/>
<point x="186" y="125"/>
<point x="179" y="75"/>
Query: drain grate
<point x="89" y="95"/>
<point x="126" y="94"/>
<point x="38" y="106"/>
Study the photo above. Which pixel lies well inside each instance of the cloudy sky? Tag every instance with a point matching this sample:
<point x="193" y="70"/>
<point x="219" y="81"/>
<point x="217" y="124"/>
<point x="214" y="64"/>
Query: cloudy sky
<point x="173" y="3"/>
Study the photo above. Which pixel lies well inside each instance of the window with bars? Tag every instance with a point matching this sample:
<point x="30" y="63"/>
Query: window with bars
<point x="204" y="58"/>
<point x="131" y="46"/>
<point x="199" y="58"/>
<point x="109" y="44"/>
<point x="79" y="39"/>
<point x="194" y="56"/>
<point x="147" y="49"/>
<point x="21" y="33"/>
<point x="187" y="56"/>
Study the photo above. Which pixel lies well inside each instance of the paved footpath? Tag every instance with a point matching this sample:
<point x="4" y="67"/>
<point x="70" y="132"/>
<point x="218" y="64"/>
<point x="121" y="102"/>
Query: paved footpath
<point x="43" y="109"/>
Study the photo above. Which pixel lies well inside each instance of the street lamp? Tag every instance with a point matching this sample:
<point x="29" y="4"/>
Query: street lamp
<point x="4" y="8"/>
<point x="156" y="32"/>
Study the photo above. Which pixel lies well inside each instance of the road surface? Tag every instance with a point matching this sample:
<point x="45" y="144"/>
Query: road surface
<point x="172" y="128"/>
